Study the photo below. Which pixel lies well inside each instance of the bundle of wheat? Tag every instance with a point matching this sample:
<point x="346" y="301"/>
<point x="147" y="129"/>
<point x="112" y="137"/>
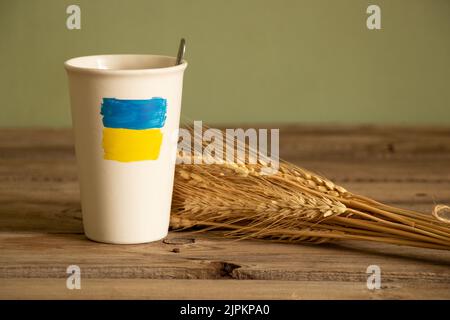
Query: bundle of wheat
<point x="293" y="205"/>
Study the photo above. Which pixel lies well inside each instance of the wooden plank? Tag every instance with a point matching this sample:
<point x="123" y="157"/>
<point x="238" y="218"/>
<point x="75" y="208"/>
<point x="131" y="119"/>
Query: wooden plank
<point x="337" y="142"/>
<point x="53" y="211"/>
<point x="38" y="255"/>
<point x="214" y="290"/>
<point x="63" y="169"/>
<point x="44" y="195"/>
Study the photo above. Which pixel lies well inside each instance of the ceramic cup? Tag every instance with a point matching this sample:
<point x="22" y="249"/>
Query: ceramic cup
<point x="125" y="115"/>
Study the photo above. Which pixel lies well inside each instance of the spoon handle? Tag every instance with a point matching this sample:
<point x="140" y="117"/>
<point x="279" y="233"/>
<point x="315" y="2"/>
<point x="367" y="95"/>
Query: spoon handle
<point x="181" y="50"/>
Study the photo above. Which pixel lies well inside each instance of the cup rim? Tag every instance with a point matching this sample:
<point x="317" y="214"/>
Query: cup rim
<point x="69" y="65"/>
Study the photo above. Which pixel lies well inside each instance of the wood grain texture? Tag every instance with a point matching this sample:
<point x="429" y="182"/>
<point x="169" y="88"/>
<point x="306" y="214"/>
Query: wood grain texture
<point x="41" y="231"/>
<point x="38" y="288"/>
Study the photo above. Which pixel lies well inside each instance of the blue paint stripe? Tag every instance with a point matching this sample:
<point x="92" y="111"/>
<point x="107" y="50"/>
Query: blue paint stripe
<point x="134" y="114"/>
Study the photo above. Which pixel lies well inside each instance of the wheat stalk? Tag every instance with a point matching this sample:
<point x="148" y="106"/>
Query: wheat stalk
<point x="293" y="205"/>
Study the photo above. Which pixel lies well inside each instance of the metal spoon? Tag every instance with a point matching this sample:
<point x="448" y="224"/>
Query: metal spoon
<point x="181" y="50"/>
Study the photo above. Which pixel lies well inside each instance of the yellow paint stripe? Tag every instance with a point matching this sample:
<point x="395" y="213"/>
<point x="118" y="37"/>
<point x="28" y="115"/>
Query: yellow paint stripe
<point x="127" y="145"/>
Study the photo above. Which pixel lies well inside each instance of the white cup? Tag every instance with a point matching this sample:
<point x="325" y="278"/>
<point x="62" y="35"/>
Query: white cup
<point x="125" y="143"/>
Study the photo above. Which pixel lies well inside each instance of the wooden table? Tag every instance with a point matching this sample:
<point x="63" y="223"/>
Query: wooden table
<point x="41" y="231"/>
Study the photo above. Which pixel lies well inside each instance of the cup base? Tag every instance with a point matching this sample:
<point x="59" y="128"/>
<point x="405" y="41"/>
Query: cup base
<point x="112" y="241"/>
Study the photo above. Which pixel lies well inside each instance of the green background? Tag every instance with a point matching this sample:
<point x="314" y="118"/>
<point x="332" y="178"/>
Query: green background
<point x="249" y="60"/>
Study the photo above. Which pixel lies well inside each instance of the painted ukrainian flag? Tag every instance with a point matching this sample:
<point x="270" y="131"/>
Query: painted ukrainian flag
<point x="132" y="128"/>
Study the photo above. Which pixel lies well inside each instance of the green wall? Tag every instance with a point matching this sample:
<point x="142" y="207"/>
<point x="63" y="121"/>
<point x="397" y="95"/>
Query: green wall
<point x="249" y="60"/>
